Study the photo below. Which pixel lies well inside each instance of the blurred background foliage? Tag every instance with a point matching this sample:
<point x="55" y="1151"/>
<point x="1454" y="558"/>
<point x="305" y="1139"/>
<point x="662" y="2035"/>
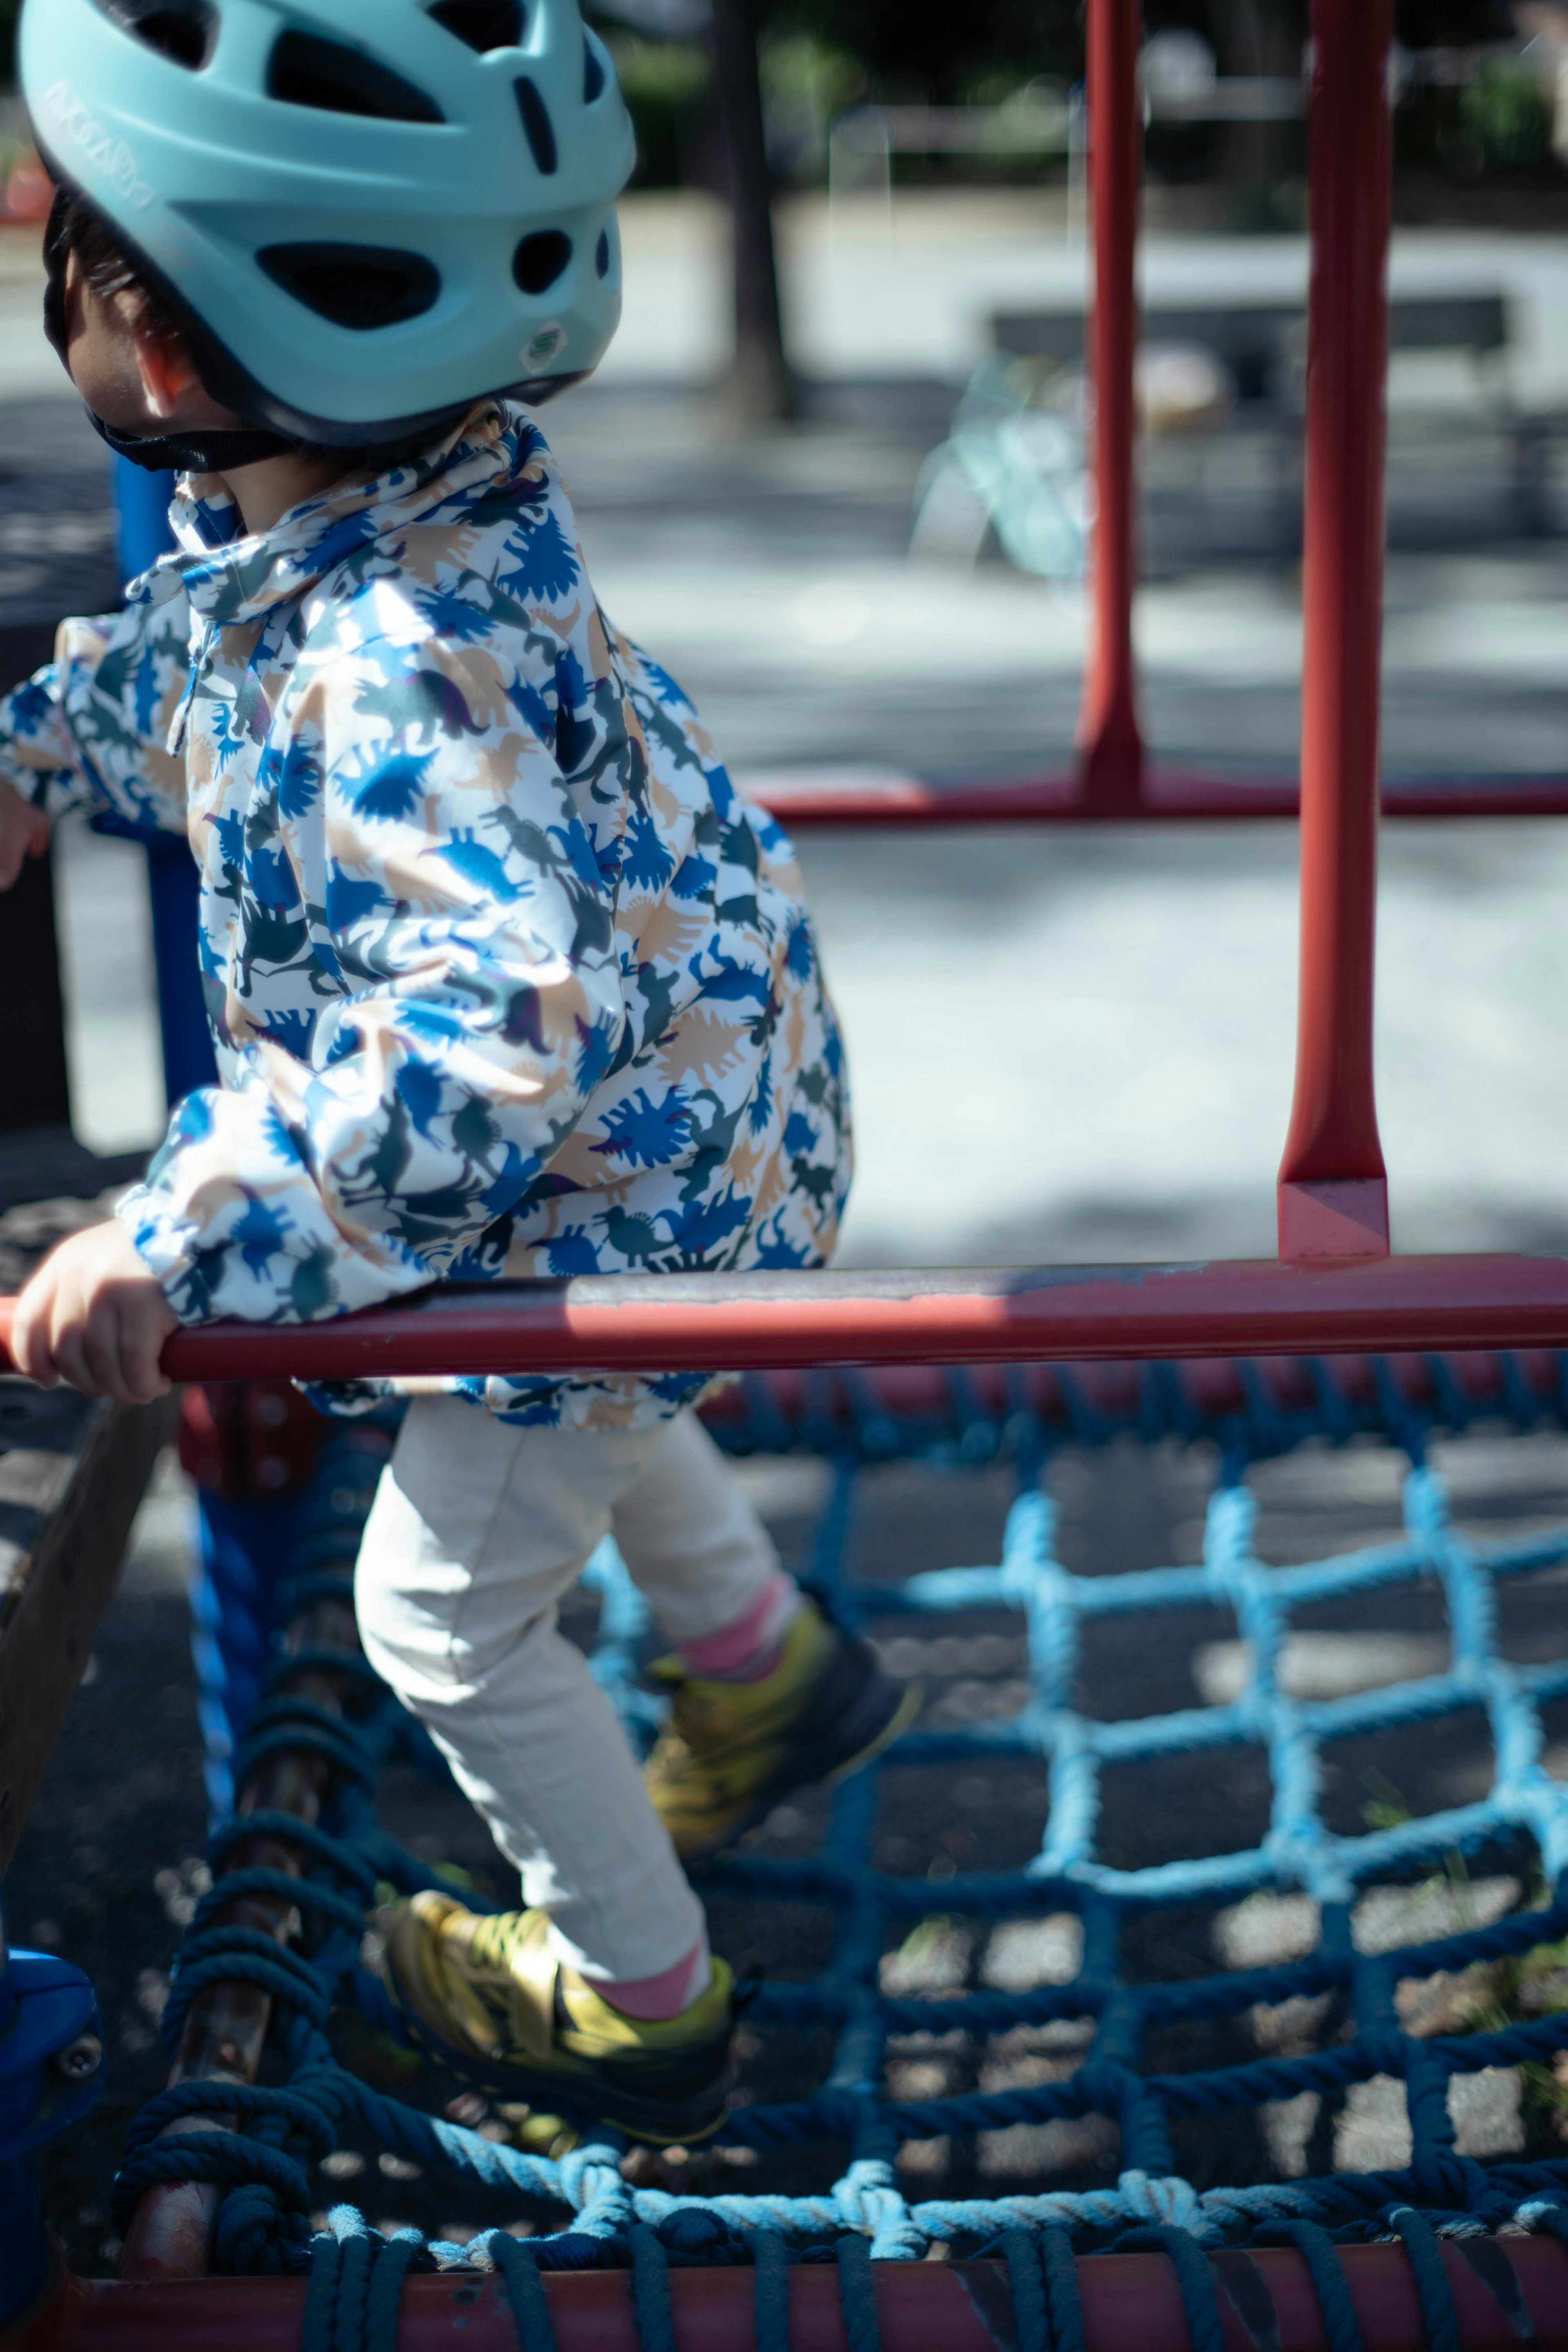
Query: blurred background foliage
<point x="1488" y="115"/>
<point x="1492" y="120"/>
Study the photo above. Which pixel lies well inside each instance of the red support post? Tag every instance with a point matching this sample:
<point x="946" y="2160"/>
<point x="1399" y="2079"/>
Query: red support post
<point x="1111" y="748"/>
<point x="1333" y="1189"/>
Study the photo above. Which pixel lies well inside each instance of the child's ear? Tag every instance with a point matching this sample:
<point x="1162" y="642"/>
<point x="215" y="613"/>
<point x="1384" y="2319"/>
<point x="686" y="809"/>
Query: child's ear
<point x="165" y="367"/>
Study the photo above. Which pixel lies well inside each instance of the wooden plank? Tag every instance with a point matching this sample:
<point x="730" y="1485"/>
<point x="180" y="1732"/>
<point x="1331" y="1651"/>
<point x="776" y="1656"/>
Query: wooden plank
<point x="71" y="1475"/>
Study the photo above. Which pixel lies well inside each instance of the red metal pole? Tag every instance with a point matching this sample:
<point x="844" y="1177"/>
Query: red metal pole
<point x="759" y="1322"/>
<point x="1111" y="746"/>
<point x="1333" y="1191"/>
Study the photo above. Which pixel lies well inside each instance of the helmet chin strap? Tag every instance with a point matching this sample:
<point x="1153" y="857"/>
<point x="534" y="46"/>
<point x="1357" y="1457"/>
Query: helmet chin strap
<point x="194" y="453"/>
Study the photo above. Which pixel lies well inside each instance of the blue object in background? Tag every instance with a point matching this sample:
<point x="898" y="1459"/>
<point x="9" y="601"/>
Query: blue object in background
<point x="141" y="502"/>
<point x="51" y="2072"/>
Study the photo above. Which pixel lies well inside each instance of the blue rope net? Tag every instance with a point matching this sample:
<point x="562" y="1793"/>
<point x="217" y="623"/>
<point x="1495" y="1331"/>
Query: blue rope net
<point x="263" y="2165"/>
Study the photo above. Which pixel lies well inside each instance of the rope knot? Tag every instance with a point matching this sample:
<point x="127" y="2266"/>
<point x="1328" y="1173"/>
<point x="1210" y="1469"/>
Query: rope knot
<point x="868" y="2199"/>
<point x="1169" y="2202"/>
<point x="591" y="2184"/>
<point x="689" y="2232"/>
<point x="253" y="2236"/>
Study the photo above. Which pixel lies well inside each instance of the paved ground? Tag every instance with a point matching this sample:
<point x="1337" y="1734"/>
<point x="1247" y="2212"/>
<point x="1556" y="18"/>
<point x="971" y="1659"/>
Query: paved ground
<point x="1073" y="1046"/>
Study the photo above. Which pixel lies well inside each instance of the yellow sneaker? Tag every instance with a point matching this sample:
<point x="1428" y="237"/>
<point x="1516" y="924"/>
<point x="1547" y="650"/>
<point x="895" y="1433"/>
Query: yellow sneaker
<point x="485" y="1995"/>
<point x="731" y="1750"/>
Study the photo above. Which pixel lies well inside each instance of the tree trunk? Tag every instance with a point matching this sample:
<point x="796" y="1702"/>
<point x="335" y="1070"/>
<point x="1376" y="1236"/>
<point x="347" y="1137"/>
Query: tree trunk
<point x="1258" y="37"/>
<point x="759" y="390"/>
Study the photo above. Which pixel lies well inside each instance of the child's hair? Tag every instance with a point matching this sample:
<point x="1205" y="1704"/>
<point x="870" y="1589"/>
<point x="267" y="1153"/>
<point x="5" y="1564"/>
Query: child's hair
<point x="105" y="268"/>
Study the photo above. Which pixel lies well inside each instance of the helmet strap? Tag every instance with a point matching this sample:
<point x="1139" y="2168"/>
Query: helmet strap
<point x="195" y="453"/>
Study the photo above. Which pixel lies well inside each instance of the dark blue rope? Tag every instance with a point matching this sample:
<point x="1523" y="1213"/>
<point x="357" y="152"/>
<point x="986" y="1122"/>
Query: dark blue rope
<point x="1193" y="2277"/>
<point x="651" y="2291"/>
<point x="1060" y="2267"/>
<point x="1316" y="2248"/>
<point x="519" y="2268"/>
<point x="857" y="2293"/>
<point x="337" y="1856"/>
<point x="1440" y="2320"/>
<point x="397" y="2256"/>
<point x="1031" y="2316"/>
<point x="771" y="2301"/>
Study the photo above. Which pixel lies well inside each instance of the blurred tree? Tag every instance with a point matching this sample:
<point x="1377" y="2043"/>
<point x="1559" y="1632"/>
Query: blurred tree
<point x="1263" y="37"/>
<point x="759" y="386"/>
<point x="928" y="48"/>
<point x="1507" y="113"/>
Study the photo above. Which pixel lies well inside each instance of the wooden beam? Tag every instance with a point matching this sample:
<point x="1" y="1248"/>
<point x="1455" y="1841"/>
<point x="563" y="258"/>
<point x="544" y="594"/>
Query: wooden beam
<point x="59" y="1585"/>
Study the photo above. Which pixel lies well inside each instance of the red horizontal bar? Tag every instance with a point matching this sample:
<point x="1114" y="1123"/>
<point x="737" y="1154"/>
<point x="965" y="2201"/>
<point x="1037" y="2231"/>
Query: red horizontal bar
<point x="1130" y="2303"/>
<point x="1168" y="797"/>
<point x="746" y="1322"/>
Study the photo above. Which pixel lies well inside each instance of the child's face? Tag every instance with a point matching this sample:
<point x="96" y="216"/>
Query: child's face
<point x="138" y="380"/>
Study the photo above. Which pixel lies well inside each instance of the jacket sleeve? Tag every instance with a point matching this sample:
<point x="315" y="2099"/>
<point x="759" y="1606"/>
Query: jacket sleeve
<point x="459" y="901"/>
<point x="92" y="729"/>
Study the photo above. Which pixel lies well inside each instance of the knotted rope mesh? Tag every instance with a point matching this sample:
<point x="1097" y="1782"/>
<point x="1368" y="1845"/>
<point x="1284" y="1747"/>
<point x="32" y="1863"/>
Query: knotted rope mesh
<point x="854" y="2002"/>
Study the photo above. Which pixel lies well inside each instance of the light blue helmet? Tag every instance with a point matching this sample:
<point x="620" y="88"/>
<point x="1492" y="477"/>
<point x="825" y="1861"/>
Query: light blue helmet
<point x="367" y="212"/>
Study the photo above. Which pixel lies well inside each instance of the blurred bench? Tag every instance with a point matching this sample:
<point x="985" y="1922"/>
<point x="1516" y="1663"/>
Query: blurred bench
<point x="1264" y="345"/>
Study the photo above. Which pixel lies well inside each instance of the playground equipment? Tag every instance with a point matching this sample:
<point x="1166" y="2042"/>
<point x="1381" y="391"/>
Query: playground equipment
<point x="216" y="2174"/>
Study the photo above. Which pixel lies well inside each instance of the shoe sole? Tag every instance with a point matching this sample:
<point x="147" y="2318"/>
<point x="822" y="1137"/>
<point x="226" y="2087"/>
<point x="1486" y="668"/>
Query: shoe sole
<point x="578" y="2099"/>
<point x="826" y="1766"/>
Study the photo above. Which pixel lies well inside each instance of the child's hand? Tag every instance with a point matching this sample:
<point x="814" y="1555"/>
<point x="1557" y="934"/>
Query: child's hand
<point x="24" y="832"/>
<point x="92" y="1315"/>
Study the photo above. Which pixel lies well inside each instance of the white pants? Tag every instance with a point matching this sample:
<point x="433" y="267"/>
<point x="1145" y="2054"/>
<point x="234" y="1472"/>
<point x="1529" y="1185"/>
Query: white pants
<point x="476" y="1529"/>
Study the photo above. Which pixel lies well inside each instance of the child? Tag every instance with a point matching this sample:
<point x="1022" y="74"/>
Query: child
<point x="502" y="975"/>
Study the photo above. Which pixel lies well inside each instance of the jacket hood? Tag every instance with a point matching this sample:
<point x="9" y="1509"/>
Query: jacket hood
<point x="231" y="576"/>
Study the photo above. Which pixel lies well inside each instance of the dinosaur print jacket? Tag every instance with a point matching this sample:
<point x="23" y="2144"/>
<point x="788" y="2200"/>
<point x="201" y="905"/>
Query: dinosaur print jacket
<point x="502" y="973"/>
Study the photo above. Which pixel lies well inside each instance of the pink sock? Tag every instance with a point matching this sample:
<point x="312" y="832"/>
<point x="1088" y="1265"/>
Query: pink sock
<point x="746" y="1650"/>
<point x="658" y="1999"/>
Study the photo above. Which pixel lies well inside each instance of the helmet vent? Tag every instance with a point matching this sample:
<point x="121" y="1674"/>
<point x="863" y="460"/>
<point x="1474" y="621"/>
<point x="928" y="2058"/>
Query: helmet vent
<point x="306" y="70"/>
<point x="593" y="73"/>
<point x="356" y="286"/>
<point x="602" y="254"/>
<point x="537" y="124"/>
<point x="540" y="258"/>
<point x="485" y="25"/>
<point x="184" y="31"/>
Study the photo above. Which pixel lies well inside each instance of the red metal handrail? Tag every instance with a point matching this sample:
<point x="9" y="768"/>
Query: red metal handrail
<point x="832" y="801"/>
<point x="742" y="1322"/>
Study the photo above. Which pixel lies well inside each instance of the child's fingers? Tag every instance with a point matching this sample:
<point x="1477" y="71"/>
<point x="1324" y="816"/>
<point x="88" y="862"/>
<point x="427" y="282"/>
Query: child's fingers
<point x="30" y="1349"/>
<point x="85" y="1339"/>
<point x="107" y="1350"/>
<point x="141" y="1336"/>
